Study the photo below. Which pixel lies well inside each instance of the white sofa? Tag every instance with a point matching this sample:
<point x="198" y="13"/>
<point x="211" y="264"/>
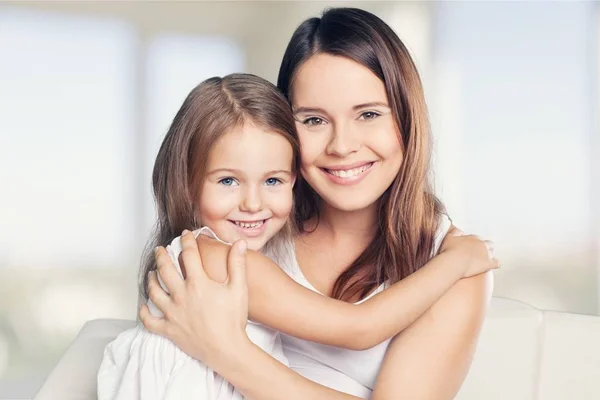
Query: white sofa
<point x="523" y="354"/>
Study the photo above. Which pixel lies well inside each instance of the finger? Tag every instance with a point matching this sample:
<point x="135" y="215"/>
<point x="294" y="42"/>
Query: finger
<point x="489" y="245"/>
<point x="153" y="324"/>
<point x="448" y="238"/>
<point x="236" y="264"/>
<point x="168" y="274"/>
<point x="157" y="294"/>
<point x="495" y="263"/>
<point x="454" y="231"/>
<point x="190" y="256"/>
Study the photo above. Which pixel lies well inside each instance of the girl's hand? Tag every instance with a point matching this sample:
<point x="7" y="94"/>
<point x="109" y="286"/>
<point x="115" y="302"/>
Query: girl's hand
<point x="478" y="254"/>
<point x="204" y="318"/>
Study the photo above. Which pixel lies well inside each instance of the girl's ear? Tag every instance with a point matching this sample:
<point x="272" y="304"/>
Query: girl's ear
<point x="197" y="221"/>
<point x="293" y="179"/>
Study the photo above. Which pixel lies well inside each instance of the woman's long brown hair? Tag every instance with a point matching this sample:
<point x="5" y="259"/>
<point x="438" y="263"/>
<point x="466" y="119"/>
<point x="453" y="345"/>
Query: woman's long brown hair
<point x="211" y="110"/>
<point x="409" y="211"/>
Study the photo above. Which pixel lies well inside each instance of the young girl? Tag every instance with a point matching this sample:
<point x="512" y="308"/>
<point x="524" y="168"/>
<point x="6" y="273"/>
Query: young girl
<point x="227" y="166"/>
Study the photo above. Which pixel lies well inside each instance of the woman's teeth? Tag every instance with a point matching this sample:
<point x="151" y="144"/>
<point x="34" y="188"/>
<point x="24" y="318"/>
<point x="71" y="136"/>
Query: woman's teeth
<point x="349" y="173"/>
<point x="249" y="225"/>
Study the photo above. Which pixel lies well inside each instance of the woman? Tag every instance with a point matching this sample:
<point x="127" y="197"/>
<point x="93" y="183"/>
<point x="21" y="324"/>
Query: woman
<point x="367" y="219"/>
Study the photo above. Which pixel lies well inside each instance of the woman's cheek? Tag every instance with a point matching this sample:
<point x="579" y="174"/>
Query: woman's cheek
<point x="386" y="139"/>
<point x="311" y="146"/>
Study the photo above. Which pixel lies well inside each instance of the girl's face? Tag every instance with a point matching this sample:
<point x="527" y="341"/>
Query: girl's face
<point x="350" y="144"/>
<point x="247" y="192"/>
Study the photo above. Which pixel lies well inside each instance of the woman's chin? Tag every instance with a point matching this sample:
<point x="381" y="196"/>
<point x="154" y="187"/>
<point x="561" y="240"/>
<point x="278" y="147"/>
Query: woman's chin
<point x="351" y="204"/>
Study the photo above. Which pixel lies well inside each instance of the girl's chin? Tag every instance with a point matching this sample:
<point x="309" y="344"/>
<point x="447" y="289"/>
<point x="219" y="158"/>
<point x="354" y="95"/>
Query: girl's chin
<point x="254" y="243"/>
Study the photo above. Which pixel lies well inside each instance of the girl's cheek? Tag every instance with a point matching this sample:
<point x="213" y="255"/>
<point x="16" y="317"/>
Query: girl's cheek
<point x="283" y="204"/>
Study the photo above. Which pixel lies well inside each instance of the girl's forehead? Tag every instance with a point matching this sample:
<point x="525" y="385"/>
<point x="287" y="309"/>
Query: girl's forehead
<point x="252" y="149"/>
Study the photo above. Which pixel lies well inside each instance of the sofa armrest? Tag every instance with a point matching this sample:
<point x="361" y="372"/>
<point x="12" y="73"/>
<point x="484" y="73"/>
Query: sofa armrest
<point x="570" y="359"/>
<point x="74" y="377"/>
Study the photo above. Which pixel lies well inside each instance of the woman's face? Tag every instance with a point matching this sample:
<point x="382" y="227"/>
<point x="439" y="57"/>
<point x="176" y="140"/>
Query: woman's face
<point x="350" y="144"/>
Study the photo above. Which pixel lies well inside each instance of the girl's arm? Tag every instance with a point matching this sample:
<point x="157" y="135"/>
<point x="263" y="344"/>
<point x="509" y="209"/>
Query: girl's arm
<point x="279" y="302"/>
<point x="460" y="257"/>
<point x="207" y="320"/>
<point x="427" y="361"/>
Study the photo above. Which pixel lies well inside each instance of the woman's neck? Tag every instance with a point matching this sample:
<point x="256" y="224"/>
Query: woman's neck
<point x="343" y="225"/>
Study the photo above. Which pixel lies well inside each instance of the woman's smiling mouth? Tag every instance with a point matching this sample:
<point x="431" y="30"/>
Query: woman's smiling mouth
<point x="349" y="174"/>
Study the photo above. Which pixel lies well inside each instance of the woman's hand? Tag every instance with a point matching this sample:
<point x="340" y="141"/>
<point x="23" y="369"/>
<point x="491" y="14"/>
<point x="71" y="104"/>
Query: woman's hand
<point x="204" y="318"/>
<point x="478" y="253"/>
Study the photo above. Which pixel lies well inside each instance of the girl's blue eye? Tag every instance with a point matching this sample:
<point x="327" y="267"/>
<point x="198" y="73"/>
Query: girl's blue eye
<point x="272" y="181"/>
<point x="313" y="121"/>
<point x="228" y="182"/>
<point x="369" y="115"/>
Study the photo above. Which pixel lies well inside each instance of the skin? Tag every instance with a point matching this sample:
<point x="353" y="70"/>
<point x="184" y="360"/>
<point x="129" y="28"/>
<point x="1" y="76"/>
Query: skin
<point x="442" y="341"/>
<point x="335" y="129"/>
<point x="247" y="193"/>
<point x="344" y="119"/>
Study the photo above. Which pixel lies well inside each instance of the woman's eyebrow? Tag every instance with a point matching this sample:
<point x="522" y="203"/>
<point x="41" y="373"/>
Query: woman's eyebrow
<point x="308" y="110"/>
<point x="316" y="110"/>
<point x="371" y="104"/>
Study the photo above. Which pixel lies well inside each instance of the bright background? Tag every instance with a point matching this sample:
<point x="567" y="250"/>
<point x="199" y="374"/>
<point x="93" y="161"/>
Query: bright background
<point x="88" y="89"/>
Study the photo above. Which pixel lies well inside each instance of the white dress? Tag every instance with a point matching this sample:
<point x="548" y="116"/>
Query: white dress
<point x="141" y="365"/>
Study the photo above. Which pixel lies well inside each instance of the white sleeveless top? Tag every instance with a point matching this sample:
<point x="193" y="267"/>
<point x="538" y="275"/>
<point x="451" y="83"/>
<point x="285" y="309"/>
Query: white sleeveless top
<point x="349" y="371"/>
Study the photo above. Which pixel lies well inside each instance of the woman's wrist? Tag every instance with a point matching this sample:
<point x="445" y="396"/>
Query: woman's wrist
<point x="238" y="364"/>
<point x="232" y="356"/>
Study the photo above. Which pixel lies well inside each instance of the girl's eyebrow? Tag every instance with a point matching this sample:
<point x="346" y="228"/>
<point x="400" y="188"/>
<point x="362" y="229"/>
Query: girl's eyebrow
<point x="279" y="171"/>
<point x="221" y="170"/>
<point x="239" y="172"/>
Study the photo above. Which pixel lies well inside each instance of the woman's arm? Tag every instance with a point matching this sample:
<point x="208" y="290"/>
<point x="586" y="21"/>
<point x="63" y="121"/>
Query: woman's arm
<point x="279" y="302"/>
<point x="259" y="376"/>
<point x="206" y="320"/>
<point x="430" y="359"/>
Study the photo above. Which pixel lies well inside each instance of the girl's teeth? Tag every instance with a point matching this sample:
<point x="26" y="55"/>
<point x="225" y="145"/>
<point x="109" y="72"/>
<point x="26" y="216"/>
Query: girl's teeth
<point x="249" y="225"/>
<point x="349" y="173"/>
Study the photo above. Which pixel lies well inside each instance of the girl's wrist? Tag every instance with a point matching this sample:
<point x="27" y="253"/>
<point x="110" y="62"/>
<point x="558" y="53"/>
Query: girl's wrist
<point x="459" y="260"/>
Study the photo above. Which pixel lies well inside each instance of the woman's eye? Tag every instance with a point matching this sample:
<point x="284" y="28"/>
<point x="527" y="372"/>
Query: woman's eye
<point x="313" y="121"/>
<point x="369" y="115"/>
<point x="228" y="182"/>
<point x="272" y="181"/>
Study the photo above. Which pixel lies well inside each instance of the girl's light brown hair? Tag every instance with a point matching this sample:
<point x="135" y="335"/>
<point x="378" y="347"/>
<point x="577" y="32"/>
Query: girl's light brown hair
<point x="408" y="212"/>
<point x="211" y="110"/>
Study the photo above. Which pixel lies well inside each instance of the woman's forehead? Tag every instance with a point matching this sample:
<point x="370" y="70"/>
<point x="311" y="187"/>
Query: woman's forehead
<point x="326" y="81"/>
